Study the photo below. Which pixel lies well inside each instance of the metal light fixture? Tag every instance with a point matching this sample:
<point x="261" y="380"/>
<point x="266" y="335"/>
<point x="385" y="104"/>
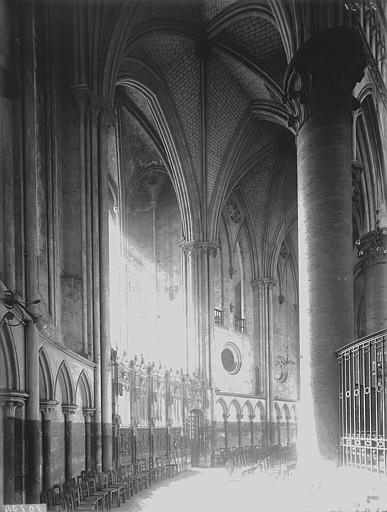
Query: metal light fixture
<point x="18" y="311"/>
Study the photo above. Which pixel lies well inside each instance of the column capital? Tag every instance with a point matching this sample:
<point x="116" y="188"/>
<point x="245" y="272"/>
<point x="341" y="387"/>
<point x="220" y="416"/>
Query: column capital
<point x="225" y="416"/>
<point x="86" y="98"/>
<point x="323" y="74"/>
<point x="10" y="401"/>
<point x="47" y="407"/>
<point x="263" y="281"/>
<point x="88" y="413"/>
<point x="239" y="416"/>
<point x="10" y="406"/>
<point x="198" y="246"/>
<point x="68" y="410"/>
<point x="372" y="247"/>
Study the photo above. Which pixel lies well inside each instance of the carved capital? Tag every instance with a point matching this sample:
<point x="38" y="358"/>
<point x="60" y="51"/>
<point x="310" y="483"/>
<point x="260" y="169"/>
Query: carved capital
<point x="323" y="74"/>
<point x="10" y="401"/>
<point x="372" y="247"/>
<point x="68" y="410"/>
<point x="86" y="98"/>
<point x="226" y="416"/>
<point x="264" y="282"/>
<point x="10" y="406"/>
<point x="197" y="247"/>
<point x="88" y="413"/>
<point x="47" y="407"/>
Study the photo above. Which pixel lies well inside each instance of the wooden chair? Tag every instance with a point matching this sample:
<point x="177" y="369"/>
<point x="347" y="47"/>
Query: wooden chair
<point x="141" y="480"/>
<point x="160" y="467"/>
<point x="97" y="501"/>
<point x="94" y="491"/>
<point x="126" y="475"/>
<point x="114" y="481"/>
<point x="171" y="468"/>
<point x="115" y="492"/>
<point x="145" y="471"/>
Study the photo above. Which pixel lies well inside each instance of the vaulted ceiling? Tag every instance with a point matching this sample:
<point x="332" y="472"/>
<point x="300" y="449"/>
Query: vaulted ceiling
<point x="200" y="95"/>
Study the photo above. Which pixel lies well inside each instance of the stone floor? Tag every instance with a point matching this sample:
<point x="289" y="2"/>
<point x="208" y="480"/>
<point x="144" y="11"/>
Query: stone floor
<point x="204" y="490"/>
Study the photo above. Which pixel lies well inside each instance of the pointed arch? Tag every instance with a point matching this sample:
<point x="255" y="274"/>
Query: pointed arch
<point x="46" y="387"/>
<point x="83" y="386"/>
<point x="277" y="411"/>
<point x="248" y="407"/>
<point x="222" y="404"/>
<point x="134" y="73"/>
<point x="236" y="405"/>
<point x="259" y="411"/>
<point x="8" y="360"/>
<point x="285" y="413"/>
<point x="64" y="381"/>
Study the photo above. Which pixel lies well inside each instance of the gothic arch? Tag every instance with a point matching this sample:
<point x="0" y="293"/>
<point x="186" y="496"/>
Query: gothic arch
<point x="368" y="142"/>
<point x="84" y="387"/>
<point x="248" y="407"/>
<point x="259" y="411"/>
<point x="285" y="413"/>
<point x="234" y="403"/>
<point x="177" y="157"/>
<point x="9" y="360"/>
<point x="222" y="404"/>
<point x="64" y="381"/>
<point x="46" y="388"/>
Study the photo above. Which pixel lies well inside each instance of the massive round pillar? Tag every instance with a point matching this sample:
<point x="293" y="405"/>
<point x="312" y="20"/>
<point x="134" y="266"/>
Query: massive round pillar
<point x="319" y="86"/>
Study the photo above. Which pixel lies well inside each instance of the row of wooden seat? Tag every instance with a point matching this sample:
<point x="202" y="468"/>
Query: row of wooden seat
<point x="99" y="491"/>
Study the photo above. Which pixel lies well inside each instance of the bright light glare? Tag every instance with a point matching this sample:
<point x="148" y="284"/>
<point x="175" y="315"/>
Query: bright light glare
<point x="143" y="318"/>
<point x="330" y="490"/>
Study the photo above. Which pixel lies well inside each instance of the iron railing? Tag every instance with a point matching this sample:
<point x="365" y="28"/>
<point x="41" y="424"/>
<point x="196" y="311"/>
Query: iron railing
<point x="362" y="399"/>
<point x="239" y="324"/>
<point x="218" y="316"/>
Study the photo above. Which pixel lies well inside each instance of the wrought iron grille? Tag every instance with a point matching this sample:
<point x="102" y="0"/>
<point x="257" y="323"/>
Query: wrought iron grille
<point x="362" y="399"/>
<point x="239" y="324"/>
<point x="218" y="316"/>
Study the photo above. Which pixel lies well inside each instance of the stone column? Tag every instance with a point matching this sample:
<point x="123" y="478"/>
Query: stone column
<point x="251" y="417"/>
<point x="225" y="418"/>
<point x="318" y="88"/>
<point x="263" y="290"/>
<point x="372" y="250"/>
<point x="95" y="114"/>
<point x="278" y="425"/>
<point x="88" y="413"/>
<point x="46" y="408"/>
<point x="68" y="411"/>
<point x="31" y="159"/>
<point x="10" y="404"/>
<point x="288" y="418"/>
<point x="199" y="291"/>
<point x="239" y="418"/>
<point x="106" y="379"/>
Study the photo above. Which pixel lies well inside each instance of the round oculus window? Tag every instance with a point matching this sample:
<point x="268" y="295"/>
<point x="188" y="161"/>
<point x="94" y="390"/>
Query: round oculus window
<point x="231" y="358"/>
